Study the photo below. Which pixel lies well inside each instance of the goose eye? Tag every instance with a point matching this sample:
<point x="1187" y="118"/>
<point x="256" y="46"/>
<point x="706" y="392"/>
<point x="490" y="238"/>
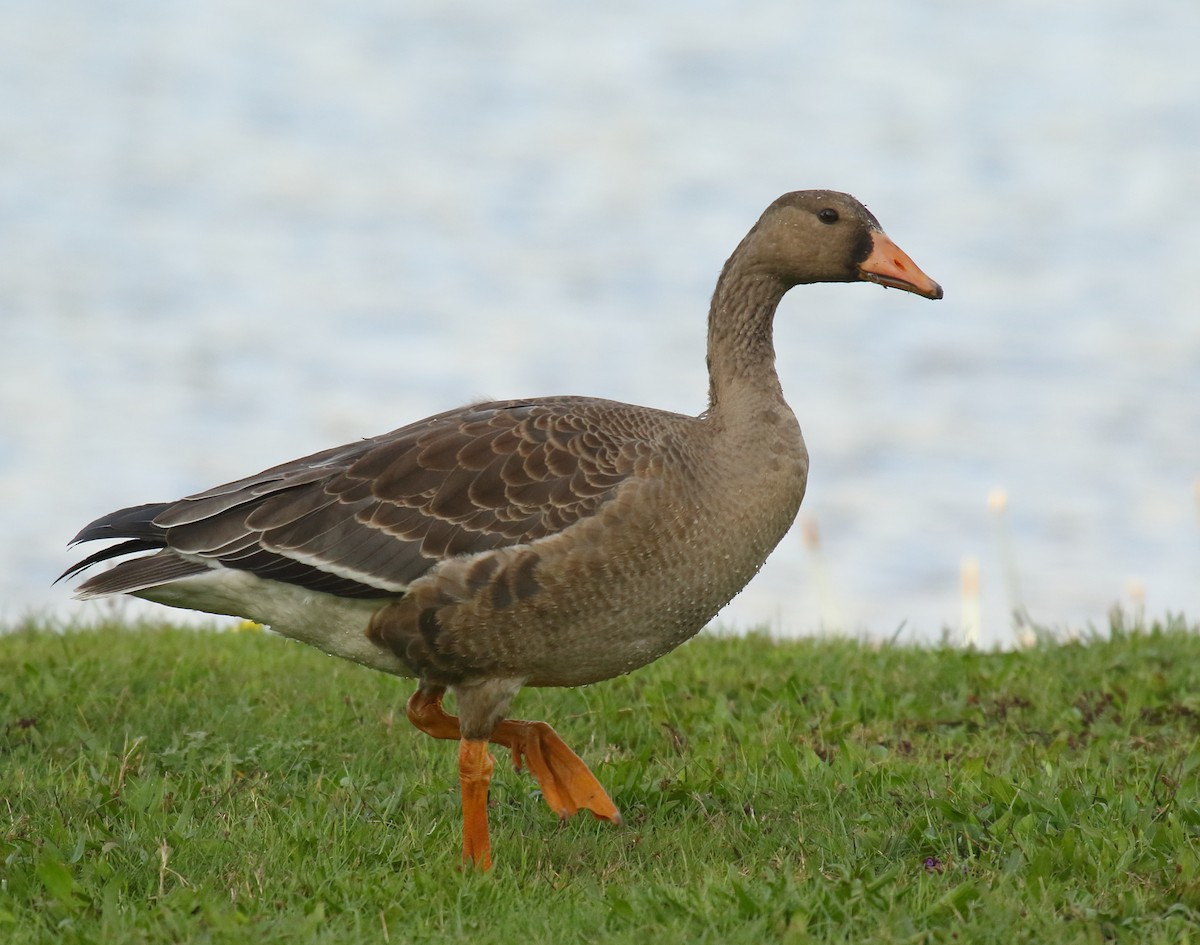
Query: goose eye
<point x="828" y="215"/>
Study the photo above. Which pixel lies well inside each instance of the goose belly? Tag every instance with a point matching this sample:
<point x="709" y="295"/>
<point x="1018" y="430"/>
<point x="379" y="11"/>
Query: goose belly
<point x="335" y="625"/>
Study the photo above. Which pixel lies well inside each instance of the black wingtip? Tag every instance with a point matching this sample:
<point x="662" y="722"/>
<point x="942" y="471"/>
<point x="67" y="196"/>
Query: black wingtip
<point x="137" y="521"/>
<point x="124" y="548"/>
<point x="136" y="524"/>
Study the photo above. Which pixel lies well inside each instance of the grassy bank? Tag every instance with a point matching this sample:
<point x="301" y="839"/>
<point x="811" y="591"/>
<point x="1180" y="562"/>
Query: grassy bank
<point x="164" y="785"/>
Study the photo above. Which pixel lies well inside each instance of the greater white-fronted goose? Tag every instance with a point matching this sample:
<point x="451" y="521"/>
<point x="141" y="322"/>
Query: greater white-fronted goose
<point x="546" y="542"/>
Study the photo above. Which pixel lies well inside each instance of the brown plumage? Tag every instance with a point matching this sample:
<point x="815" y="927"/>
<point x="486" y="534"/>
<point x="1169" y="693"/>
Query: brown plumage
<point x="548" y="542"/>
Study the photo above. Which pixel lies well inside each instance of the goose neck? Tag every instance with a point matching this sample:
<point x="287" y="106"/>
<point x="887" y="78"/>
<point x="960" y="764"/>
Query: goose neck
<point x="741" y="348"/>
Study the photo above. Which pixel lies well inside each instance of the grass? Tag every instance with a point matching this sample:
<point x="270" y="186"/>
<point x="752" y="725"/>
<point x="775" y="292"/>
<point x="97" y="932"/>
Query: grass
<point x="168" y="785"/>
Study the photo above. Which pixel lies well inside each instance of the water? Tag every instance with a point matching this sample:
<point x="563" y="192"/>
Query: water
<point x="233" y="234"/>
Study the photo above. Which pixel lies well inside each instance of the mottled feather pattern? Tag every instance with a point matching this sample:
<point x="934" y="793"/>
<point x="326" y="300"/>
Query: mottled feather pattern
<point x="367" y="519"/>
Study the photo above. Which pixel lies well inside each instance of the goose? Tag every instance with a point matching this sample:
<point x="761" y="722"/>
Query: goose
<point x="550" y="541"/>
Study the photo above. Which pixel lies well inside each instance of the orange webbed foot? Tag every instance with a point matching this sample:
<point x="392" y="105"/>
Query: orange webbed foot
<point x="426" y="714"/>
<point x="566" y="782"/>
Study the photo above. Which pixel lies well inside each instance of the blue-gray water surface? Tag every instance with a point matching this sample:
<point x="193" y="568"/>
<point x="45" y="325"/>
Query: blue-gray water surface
<point x="232" y="233"/>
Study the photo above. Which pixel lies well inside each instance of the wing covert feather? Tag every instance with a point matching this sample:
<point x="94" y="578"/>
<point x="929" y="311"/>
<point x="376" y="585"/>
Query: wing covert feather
<point x="369" y="518"/>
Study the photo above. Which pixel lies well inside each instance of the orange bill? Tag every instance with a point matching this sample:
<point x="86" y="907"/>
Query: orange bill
<point x="890" y="266"/>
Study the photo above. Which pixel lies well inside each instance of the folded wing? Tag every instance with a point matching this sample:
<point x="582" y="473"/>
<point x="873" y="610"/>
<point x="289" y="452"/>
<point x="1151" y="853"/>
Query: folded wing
<point x="367" y="519"/>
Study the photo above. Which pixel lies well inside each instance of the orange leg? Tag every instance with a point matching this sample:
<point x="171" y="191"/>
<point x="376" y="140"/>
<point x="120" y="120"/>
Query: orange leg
<point x="426" y="713"/>
<point x="474" y="772"/>
<point x="474" y="775"/>
<point x="566" y="783"/>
